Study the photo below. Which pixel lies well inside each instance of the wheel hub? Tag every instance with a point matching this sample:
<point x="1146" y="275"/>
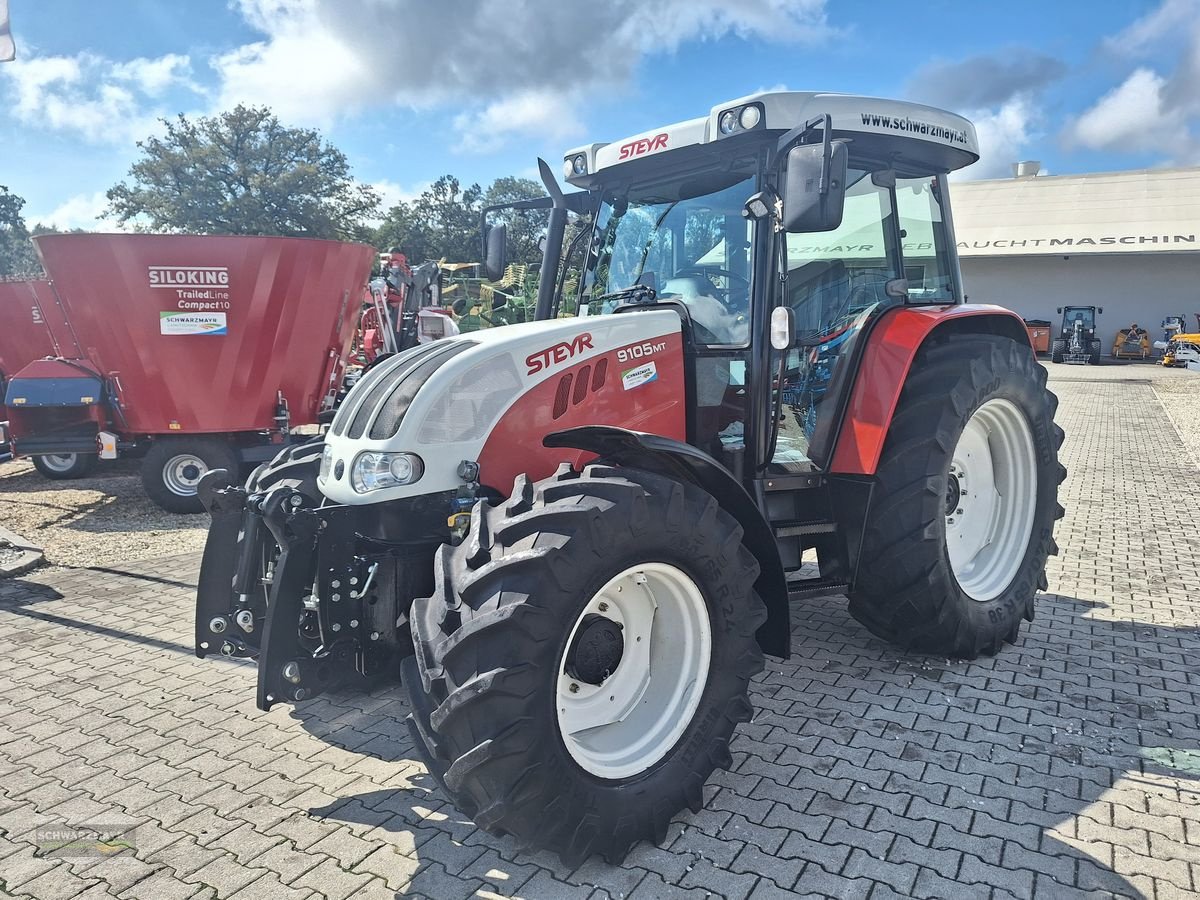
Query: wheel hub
<point x="596" y="651"/>
<point x="953" y="493"/>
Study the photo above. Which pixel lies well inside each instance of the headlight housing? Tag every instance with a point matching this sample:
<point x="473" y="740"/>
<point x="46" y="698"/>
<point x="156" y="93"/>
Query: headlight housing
<point x="326" y="462"/>
<point x="374" y="470"/>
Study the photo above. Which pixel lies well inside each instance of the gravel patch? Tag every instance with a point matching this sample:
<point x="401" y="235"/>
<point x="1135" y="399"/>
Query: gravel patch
<point x="96" y="521"/>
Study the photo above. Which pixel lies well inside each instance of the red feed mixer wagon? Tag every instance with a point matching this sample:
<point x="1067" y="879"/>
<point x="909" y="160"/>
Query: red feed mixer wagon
<point x="192" y="352"/>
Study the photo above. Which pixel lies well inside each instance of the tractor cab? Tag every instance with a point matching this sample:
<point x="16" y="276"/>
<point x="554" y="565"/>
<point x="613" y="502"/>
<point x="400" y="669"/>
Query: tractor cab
<point x="831" y="209"/>
<point x="1077" y="342"/>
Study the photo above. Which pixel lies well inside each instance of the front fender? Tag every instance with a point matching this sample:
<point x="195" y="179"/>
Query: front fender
<point x="892" y="345"/>
<point x="681" y="461"/>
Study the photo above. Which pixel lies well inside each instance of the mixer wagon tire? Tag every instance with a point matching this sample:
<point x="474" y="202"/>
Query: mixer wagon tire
<point x="63" y="466"/>
<point x="585" y="658"/>
<point x="173" y="467"/>
<point x="1057" y="350"/>
<point x="965" y="499"/>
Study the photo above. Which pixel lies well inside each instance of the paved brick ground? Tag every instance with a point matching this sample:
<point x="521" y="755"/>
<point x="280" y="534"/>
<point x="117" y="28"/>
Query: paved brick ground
<point x="1067" y="764"/>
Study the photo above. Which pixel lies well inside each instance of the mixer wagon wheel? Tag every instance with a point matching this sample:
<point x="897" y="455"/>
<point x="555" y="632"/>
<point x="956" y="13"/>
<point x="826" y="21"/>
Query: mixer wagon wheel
<point x="585" y="658"/>
<point x="61" y="466"/>
<point x="1057" y="350"/>
<point x="173" y="467"/>
<point x="965" y="499"/>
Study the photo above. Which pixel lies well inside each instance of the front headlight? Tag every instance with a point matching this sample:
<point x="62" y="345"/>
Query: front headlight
<point x="373" y="471"/>
<point x="326" y="462"/>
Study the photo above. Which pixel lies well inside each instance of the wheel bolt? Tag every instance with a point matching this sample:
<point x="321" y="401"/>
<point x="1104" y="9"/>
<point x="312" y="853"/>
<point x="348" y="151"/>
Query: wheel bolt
<point x="949" y="521"/>
<point x="574" y="688"/>
<point x="958" y="512"/>
<point x="603" y="607"/>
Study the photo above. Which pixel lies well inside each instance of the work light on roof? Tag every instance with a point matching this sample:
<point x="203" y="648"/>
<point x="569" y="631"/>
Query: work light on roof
<point x="740" y="118"/>
<point x="574" y="166"/>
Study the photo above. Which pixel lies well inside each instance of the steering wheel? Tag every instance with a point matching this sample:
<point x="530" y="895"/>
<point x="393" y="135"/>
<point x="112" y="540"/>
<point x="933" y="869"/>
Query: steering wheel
<point x="707" y="271"/>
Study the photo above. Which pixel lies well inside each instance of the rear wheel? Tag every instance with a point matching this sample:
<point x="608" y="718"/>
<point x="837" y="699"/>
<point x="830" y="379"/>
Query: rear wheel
<point x="585" y="658"/>
<point x="61" y="466"/>
<point x="174" y="466"/>
<point x="1094" y="354"/>
<point x="1057" y="349"/>
<point x="965" y="501"/>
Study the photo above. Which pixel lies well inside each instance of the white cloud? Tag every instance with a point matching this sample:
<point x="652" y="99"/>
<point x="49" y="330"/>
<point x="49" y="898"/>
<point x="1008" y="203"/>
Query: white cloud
<point x="100" y="100"/>
<point x="1163" y="22"/>
<point x="1132" y="116"/>
<point x="154" y="76"/>
<point x="1156" y="108"/>
<point x="544" y="114"/>
<point x="81" y="211"/>
<point x="1004" y="135"/>
<point x="516" y="67"/>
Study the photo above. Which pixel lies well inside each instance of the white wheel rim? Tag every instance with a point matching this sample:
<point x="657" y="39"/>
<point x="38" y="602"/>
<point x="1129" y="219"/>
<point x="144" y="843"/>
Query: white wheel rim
<point x="182" y="473"/>
<point x="58" y="462"/>
<point x="631" y="720"/>
<point x="990" y="500"/>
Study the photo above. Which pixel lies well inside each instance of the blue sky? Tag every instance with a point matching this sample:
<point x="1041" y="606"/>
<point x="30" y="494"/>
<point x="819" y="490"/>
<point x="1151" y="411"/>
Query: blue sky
<point x="410" y="90"/>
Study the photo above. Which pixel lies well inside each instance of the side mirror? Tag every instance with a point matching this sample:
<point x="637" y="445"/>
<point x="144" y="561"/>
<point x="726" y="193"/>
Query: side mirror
<point x="1059" y="310"/>
<point x="814" y="191"/>
<point x="495" y="252"/>
<point x="1100" y="310"/>
<point x="783" y="327"/>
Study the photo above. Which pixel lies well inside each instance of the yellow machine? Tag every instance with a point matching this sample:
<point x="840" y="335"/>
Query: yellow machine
<point x="1182" y="350"/>
<point x="1131" y="343"/>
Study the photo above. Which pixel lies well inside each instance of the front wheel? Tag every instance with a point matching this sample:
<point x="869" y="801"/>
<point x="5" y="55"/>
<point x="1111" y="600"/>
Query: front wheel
<point x="62" y="466"/>
<point x="965" y="500"/>
<point x="173" y="467"/>
<point x="585" y="658"/>
<point x="1057" y="350"/>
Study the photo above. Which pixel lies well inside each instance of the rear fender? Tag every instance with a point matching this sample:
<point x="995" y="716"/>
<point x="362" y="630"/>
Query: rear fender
<point x="681" y="461"/>
<point x="892" y="345"/>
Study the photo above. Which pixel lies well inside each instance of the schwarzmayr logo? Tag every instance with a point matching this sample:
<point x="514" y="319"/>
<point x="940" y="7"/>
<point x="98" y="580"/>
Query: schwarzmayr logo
<point x="188" y="276"/>
<point x="192" y="323"/>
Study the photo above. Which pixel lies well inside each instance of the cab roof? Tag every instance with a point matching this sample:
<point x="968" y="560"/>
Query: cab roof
<point x="914" y="138"/>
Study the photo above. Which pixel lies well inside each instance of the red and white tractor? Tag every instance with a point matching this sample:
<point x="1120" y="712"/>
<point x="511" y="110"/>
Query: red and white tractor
<point x="576" y="538"/>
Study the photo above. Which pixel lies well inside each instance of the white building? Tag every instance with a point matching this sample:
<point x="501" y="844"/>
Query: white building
<point x="1126" y="241"/>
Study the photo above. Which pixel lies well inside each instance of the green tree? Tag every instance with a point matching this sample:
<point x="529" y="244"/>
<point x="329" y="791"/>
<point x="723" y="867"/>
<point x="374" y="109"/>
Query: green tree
<point x="17" y="256"/>
<point x="443" y="222"/>
<point x="243" y="172"/>
<point x="525" y="227"/>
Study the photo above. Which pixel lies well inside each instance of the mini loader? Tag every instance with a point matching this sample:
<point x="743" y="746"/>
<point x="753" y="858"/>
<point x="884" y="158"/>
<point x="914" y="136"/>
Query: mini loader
<point x="576" y="538"/>
<point x="1077" y="343"/>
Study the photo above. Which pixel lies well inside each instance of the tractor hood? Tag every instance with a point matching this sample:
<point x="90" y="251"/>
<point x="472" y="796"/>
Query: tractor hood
<point x="438" y="404"/>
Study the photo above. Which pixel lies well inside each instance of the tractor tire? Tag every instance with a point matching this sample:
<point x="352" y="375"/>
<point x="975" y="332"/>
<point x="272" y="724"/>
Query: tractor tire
<point x="64" y="466"/>
<point x="965" y="500"/>
<point x="1094" y="355"/>
<point x="1057" y="349"/>
<point x="173" y="466"/>
<point x="518" y="658"/>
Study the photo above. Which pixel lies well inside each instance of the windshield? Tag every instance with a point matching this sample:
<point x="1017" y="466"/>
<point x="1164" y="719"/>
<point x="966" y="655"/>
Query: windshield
<point x="1080" y="314"/>
<point x="687" y="239"/>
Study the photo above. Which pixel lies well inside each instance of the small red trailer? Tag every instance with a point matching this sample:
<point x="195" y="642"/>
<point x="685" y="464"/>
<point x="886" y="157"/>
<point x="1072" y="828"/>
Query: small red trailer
<point x="194" y="352"/>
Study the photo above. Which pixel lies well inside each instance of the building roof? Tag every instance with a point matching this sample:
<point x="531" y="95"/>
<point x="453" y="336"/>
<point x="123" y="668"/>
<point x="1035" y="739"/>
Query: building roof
<point x="1140" y="211"/>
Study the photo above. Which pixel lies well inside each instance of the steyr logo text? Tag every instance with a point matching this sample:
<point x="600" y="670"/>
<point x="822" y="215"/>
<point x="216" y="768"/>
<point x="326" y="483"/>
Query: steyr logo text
<point x="561" y="352"/>
<point x="645" y="145"/>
